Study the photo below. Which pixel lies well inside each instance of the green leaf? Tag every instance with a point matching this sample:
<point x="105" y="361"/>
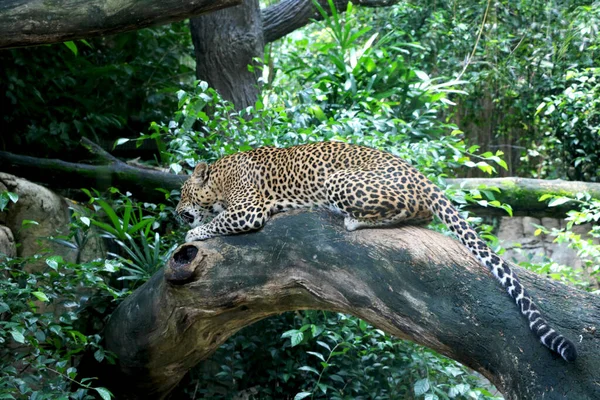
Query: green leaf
<point x="539" y="108"/>
<point x="295" y="336"/>
<point x="176" y="168"/>
<point x="86" y="43"/>
<point x="309" y="369"/>
<point x="29" y="222"/>
<point x="421" y="387"/>
<point x="106" y="228"/>
<point x="12" y="196"/>
<point x="85" y="221"/>
<point x="87" y="192"/>
<point x="422" y="75"/>
<point x="558" y="201"/>
<point x="17" y="336"/>
<point x="302" y="395"/>
<point x="318" y="112"/>
<point x="550" y="109"/>
<point x="72" y="46"/>
<point x="104" y="393"/>
<point x="54" y="261"/>
<point x="323" y="387"/>
<point x="362" y="325"/>
<point x="323" y="344"/>
<point x="120" y="141"/>
<point x="99" y="355"/>
<point x="318" y="355"/>
<point x="41" y="296"/>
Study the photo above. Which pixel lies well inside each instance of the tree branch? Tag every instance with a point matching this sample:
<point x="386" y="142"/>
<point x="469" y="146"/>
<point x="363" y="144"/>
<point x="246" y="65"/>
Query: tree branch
<point x="523" y="194"/>
<point x="99" y="152"/>
<point x="33" y="22"/>
<point x="410" y="282"/>
<point x="61" y="174"/>
<point x="286" y="16"/>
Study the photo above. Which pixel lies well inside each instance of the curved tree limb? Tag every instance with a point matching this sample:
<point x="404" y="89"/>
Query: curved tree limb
<point x="410" y="282"/>
<point x="33" y="22"/>
<point x="286" y="16"/>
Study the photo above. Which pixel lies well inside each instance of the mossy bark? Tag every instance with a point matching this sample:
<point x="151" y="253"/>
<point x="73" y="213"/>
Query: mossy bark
<point x="523" y="194"/>
<point x="410" y="282"/>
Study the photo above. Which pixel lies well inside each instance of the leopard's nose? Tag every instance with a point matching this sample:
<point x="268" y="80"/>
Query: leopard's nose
<point x="187" y="217"/>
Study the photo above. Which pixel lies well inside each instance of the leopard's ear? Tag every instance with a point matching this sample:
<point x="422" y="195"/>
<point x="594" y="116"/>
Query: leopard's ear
<point x="201" y="172"/>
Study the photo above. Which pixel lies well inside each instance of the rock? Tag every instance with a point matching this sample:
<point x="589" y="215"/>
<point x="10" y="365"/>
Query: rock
<point x="517" y="236"/>
<point x="52" y="216"/>
<point x="7" y="243"/>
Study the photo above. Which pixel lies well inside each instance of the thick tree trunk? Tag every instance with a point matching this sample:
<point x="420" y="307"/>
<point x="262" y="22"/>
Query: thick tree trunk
<point x="32" y="22"/>
<point x="226" y="43"/>
<point x="410" y="282"/>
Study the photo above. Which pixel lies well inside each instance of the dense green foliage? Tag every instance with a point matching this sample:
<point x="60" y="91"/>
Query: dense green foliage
<point x="408" y="79"/>
<point x="101" y="88"/>
<point x="49" y="320"/>
<point x="571" y="120"/>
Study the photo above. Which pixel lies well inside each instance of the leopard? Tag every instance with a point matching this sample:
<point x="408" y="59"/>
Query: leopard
<point x="370" y="188"/>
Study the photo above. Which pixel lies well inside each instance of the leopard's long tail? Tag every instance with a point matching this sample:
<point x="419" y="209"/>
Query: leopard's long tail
<point x="444" y="209"/>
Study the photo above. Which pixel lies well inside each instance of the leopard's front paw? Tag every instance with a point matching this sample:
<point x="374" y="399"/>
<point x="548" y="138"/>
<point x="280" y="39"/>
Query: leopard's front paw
<point x="194" y="235"/>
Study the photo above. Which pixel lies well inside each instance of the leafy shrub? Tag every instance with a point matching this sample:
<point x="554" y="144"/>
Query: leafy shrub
<point x="329" y="355"/>
<point x="132" y="226"/>
<point x="47" y="321"/>
<point x="570" y="122"/>
<point x="588" y="212"/>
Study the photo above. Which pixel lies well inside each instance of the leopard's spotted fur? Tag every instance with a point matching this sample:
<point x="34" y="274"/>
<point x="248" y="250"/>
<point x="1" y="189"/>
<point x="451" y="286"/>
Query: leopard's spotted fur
<point x="369" y="187"/>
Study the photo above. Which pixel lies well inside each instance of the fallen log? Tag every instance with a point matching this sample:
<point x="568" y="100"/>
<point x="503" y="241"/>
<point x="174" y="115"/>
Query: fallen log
<point x="410" y="282"/>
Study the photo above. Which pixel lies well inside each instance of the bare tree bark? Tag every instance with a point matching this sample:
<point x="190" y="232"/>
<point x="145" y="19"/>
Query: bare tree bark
<point x="286" y="16"/>
<point x="226" y="43"/>
<point x="33" y="22"/>
<point x="410" y="282"/>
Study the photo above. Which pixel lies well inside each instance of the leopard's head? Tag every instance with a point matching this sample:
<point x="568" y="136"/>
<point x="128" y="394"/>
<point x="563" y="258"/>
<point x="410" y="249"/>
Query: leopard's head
<point x="198" y="198"/>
